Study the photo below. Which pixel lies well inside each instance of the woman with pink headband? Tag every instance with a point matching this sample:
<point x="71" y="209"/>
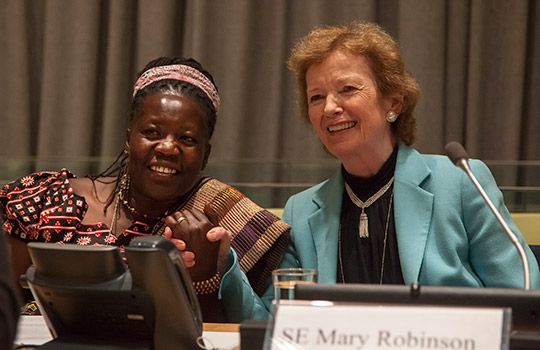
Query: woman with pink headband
<point x="156" y="187"/>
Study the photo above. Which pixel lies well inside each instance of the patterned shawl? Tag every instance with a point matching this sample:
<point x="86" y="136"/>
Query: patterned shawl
<point x="258" y="236"/>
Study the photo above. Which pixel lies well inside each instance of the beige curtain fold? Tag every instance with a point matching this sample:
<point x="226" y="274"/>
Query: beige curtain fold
<point x="69" y="66"/>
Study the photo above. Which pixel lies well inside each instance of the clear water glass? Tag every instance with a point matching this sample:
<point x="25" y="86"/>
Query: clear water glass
<point x="284" y="281"/>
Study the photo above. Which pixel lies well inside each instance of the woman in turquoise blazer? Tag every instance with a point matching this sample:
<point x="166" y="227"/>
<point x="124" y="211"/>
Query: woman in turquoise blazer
<point x="390" y="215"/>
<point x="446" y="233"/>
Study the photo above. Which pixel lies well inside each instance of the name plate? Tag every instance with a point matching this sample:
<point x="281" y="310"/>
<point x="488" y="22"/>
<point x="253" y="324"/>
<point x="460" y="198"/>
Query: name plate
<point x="325" y="325"/>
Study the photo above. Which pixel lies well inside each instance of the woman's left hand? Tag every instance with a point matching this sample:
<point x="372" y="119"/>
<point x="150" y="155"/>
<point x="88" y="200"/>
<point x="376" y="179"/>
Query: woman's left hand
<point x="204" y="245"/>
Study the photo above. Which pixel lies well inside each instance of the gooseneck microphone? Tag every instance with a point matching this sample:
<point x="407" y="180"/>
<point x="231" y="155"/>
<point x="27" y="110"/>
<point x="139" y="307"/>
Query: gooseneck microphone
<point x="459" y="157"/>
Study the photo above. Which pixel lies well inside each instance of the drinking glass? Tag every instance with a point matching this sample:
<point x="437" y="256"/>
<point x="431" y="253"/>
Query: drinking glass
<point x="284" y="281"/>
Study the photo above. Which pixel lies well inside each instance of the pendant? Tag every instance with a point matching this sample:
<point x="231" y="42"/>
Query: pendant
<point x="363" y="226"/>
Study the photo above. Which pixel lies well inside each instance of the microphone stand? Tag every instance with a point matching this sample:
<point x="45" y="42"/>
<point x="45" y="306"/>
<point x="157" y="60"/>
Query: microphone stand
<point x="463" y="164"/>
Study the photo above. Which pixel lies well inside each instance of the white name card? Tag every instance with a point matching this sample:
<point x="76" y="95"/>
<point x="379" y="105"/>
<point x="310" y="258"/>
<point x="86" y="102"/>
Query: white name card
<point x="331" y="326"/>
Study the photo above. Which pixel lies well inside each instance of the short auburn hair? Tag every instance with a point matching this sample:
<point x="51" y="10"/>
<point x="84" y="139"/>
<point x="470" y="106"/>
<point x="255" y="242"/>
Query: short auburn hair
<point x="382" y="53"/>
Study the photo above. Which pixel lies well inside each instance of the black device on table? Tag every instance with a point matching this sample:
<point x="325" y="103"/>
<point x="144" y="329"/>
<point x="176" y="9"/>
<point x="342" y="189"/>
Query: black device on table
<point x="90" y="299"/>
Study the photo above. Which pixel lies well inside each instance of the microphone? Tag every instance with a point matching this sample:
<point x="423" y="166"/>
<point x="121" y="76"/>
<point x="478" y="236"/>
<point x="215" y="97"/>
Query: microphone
<point x="459" y="157"/>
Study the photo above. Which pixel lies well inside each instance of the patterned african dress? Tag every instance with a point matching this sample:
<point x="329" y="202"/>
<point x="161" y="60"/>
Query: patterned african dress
<point x="42" y="207"/>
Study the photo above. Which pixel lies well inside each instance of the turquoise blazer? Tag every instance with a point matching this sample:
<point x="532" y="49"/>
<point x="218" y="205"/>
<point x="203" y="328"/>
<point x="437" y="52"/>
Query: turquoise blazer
<point x="446" y="233"/>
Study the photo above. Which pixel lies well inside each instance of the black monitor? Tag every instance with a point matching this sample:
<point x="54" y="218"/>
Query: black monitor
<point x="525" y="304"/>
<point x="90" y="299"/>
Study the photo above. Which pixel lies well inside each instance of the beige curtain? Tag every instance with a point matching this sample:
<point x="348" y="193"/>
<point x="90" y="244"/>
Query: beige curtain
<point x="68" y="68"/>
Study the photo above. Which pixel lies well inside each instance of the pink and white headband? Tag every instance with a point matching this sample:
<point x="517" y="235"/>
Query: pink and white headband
<point x="182" y="73"/>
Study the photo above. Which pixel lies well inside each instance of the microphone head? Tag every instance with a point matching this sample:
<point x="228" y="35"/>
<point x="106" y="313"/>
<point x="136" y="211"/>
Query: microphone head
<point x="456" y="152"/>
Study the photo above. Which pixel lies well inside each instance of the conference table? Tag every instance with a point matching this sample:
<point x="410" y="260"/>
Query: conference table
<point x="32" y="331"/>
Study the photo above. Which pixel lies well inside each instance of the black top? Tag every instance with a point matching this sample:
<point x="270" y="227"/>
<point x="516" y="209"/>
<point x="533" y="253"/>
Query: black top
<point x="360" y="259"/>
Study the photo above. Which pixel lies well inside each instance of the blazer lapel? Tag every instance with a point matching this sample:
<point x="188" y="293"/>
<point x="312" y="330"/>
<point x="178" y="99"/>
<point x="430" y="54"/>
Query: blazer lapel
<point x="413" y="211"/>
<point x="324" y="226"/>
<point x="412" y="226"/>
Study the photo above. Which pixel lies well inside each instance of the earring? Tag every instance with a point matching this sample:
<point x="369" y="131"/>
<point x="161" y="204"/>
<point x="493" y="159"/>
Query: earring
<point x="391" y="116"/>
<point x="124" y="185"/>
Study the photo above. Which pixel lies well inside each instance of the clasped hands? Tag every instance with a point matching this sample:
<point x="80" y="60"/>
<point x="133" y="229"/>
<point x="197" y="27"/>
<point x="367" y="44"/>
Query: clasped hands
<point x="204" y="245"/>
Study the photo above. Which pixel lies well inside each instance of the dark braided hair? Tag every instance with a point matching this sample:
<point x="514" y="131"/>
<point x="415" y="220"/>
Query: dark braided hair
<point x="176" y="87"/>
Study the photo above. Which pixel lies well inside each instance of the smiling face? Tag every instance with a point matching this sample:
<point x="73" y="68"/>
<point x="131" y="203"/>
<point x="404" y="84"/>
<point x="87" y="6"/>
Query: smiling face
<point x="348" y="112"/>
<point x="168" y="148"/>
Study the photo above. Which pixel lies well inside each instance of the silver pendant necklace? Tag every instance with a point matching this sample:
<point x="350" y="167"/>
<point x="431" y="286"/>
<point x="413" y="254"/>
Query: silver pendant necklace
<point x="363" y="224"/>
<point x="384" y="243"/>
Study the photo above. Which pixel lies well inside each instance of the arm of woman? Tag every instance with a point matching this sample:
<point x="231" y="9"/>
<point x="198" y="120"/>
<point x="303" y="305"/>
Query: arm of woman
<point x="235" y="294"/>
<point x="239" y="299"/>
<point x="236" y="291"/>
<point x="205" y="248"/>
